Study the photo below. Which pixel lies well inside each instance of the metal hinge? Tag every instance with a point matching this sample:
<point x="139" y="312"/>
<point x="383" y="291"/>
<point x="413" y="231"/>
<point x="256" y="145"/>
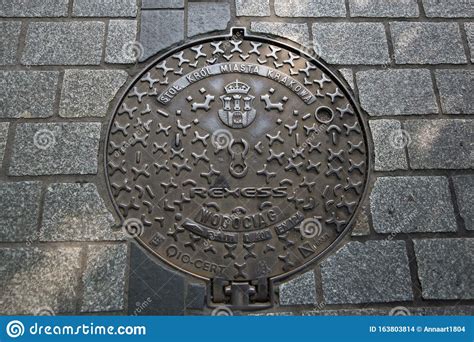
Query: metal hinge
<point x="246" y="295"/>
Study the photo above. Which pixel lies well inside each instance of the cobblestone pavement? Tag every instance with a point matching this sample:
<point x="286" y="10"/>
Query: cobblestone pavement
<point x="65" y="63"/>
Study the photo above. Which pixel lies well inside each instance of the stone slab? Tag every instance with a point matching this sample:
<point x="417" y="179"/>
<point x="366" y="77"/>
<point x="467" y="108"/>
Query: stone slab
<point x="88" y="93"/>
<point x="384" y="8"/>
<point x="9" y="41"/>
<point x="158" y="4"/>
<point x="28" y="94"/>
<point x="159" y="30"/>
<point x="374" y="271"/>
<point x="19" y="211"/>
<point x="412" y="205"/>
<point x="64" y="43"/>
<point x="3" y="139"/>
<point x="445" y="268"/>
<point x="464" y="188"/>
<point x="469" y="27"/>
<point x="76" y="212"/>
<point x="121" y="46"/>
<point x="196" y="296"/>
<point x="389" y="145"/>
<point x="296" y="32"/>
<point x="396" y="92"/>
<point x="252" y="8"/>
<point x="204" y="17"/>
<point x="36" y="279"/>
<point x="448" y="8"/>
<point x="34" y="8"/>
<point x="348" y="76"/>
<point x="104" y="278"/>
<point x="299" y="291"/>
<point x="440" y="144"/>
<point x="362" y="224"/>
<point x="310" y="8"/>
<point x="55" y="148"/>
<point x="455" y="89"/>
<point x="427" y="43"/>
<point x="351" y="43"/>
<point x="104" y="8"/>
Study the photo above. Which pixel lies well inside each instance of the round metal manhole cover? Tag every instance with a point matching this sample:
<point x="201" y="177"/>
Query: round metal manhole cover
<point x="237" y="158"/>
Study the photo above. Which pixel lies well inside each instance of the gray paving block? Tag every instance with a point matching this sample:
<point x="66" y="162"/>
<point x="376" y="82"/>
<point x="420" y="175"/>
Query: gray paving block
<point x="76" y="212"/>
<point x="458" y="310"/>
<point x="449" y="8"/>
<point x="28" y="94"/>
<point x="34" y="279"/>
<point x="310" y="8"/>
<point x="445" y="268"/>
<point x="206" y="17"/>
<point x="469" y="27"/>
<point x="348" y="76"/>
<point x="412" y="205"/>
<point x="19" y="210"/>
<point x="195" y="296"/>
<point x="427" y="43"/>
<point x="299" y="291"/>
<point x="383" y="8"/>
<point x="440" y="144"/>
<point x="34" y="8"/>
<point x="396" y="92"/>
<point x="55" y="148"/>
<point x="159" y="30"/>
<point x="351" y="43"/>
<point x="104" y="278"/>
<point x="296" y="32"/>
<point x="157" y="4"/>
<point x="464" y="188"/>
<point x="122" y="46"/>
<point x="361" y="224"/>
<point x="3" y="139"/>
<point x="64" y="43"/>
<point x="389" y="145"/>
<point x="88" y="93"/>
<point x="374" y="271"/>
<point x="252" y="8"/>
<point x="104" y="8"/>
<point x="456" y="88"/>
<point x="9" y="41"/>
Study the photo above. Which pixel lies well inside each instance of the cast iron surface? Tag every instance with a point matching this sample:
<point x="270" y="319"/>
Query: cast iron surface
<point x="237" y="157"/>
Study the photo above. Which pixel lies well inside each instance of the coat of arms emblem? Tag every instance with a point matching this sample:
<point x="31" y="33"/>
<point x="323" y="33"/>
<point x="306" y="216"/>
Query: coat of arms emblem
<point x="237" y="111"/>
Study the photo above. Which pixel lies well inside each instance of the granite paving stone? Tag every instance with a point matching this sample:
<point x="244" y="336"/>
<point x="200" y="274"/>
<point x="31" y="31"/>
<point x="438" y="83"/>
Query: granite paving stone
<point x="389" y="150"/>
<point x="445" y="268"/>
<point x="456" y="310"/>
<point x="384" y="8"/>
<point x="396" y="92"/>
<point x="104" y="278"/>
<point x="374" y="271"/>
<point x="121" y="46"/>
<point x="195" y="296"/>
<point x="34" y="8"/>
<point x="412" y="205"/>
<point x="55" y="148"/>
<point x="19" y="210"/>
<point x="33" y="279"/>
<point x="449" y="8"/>
<point x="469" y="27"/>
<point x="361" y="224"/>
<point x="464" y="188"/>
<point x="88" y="93"/>
<point x="3" y="139"/>
<point x="296" y="32"/>
<point x="104" y="8"/>
<point x="427" y="43"/>
<point x="310" y="8"/>
<point x="348" y="76"/>
<point x="456" y="88"/>
<point x="157" y="4"/>
<point x="204" y="17"/>
<point x="440" y="144"/>
<point x="351" y="43"/>
<point x="159" y="30"/>
<point x="252" y="8"/>
<point x="76" y="212"/>
<point x="299" y="291"/>
<point x="28" y="94"/>
<point x="9" y="41"/>
<point x="64" y="43"/>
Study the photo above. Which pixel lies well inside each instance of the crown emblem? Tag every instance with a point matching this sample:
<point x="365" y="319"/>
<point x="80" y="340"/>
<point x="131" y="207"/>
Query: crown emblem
<point x="237" y="110"/>
<point x="237" y="87"/>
